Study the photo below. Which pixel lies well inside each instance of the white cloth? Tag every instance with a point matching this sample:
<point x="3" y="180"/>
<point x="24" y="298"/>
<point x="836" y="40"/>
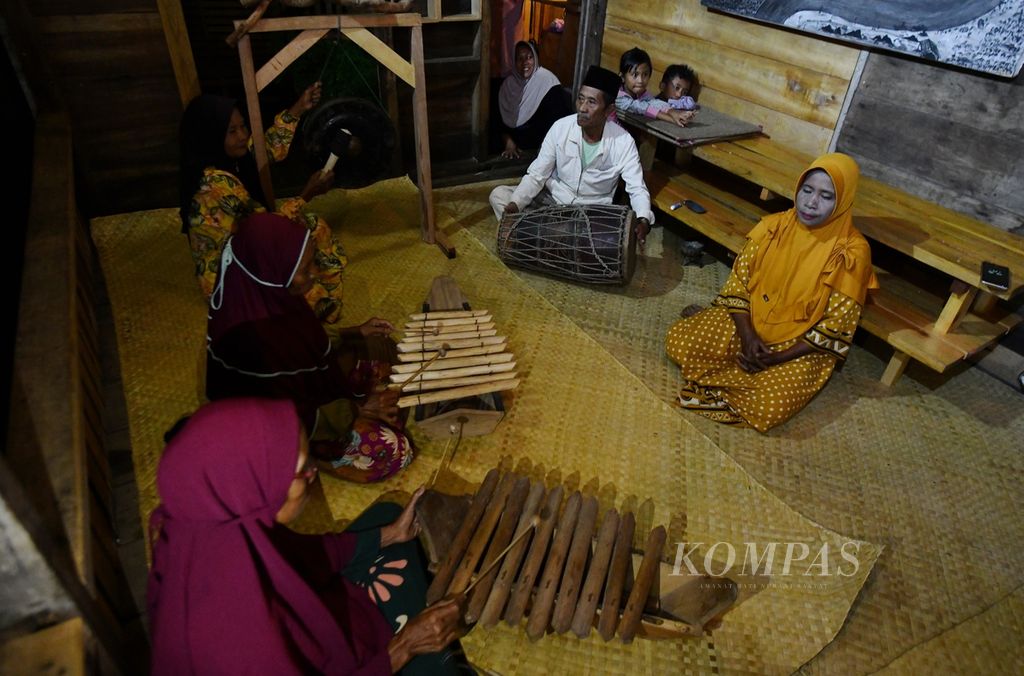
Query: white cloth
<point x="558" y="167"/>
<point x="519" y="97"/>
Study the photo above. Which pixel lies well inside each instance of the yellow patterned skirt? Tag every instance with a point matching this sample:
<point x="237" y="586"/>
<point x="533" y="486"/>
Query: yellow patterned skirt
<point x="705" y="347"/>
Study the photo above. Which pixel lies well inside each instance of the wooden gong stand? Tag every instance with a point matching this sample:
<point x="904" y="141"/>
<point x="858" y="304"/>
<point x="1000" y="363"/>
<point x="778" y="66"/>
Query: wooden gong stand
<point x="355" y="28"/>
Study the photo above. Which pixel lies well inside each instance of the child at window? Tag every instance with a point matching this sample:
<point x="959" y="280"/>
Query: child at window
<point x="635" y="70"/>
<point x="680" y="87"/>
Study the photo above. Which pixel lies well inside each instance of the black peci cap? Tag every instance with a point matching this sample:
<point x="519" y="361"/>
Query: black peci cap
<point x="603" y="80"/>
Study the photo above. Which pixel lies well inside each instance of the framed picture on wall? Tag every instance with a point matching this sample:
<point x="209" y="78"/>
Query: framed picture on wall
<point x="983" y="35"/>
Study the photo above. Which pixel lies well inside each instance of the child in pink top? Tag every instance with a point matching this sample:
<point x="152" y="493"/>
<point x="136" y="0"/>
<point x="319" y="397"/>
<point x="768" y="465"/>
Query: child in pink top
<point x="635" y="70"/>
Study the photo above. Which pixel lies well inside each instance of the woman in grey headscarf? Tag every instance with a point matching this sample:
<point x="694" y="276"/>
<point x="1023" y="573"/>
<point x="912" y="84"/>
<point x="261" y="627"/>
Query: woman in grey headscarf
<point x="530" y="100"/>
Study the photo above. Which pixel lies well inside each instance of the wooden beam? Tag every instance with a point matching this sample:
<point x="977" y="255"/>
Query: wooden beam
<point x="252" y="98"/>
<point x="376" y="48"/>
<point x="243" y="27"/>
<point x="302" y="23"/>
<point x="419" y="113"/>
<point x="179" y="49"/>
<point x="895" y="368"/>
<point x="482" y="95"/>
<point x="591" y="38"/>
<point x="284" y="58"/>
<point x="960" y="298"/>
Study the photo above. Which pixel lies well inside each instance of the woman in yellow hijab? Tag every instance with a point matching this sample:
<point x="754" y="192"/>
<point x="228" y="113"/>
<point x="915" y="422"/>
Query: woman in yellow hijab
<point x="788" y="311"/>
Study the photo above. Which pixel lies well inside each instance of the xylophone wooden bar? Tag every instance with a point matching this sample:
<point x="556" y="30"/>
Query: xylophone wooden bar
<point x="634" y="610"/>
<point x="616" y="582"/>
<point x="439" y="585"/>
<point x="523" y="587"/>
<point x="543" y="603"/>
<point x="572" y="576"/>
<point x="506" y="575"/>
<point x="502" y="536"/>
<point x="583" y="618"/>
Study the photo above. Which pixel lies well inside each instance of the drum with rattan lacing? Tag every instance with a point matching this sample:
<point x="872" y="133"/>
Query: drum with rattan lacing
<point x="592" y="243"/>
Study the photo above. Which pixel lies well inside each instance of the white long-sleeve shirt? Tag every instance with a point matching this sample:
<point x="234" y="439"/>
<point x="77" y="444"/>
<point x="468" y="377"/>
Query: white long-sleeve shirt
<point x="559" y="167"/>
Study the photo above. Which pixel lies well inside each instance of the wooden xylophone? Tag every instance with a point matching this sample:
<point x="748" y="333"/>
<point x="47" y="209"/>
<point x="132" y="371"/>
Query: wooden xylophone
<point x="449" y="355"/>
<point x="520" y="552"/>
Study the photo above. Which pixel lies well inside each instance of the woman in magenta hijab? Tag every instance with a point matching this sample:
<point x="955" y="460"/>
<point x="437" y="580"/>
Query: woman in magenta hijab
<point x="263" y="340"/>
<point x="232" y="590"/>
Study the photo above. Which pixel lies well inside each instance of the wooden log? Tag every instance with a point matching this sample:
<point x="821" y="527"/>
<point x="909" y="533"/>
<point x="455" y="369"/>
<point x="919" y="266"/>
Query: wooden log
<point x="376" y="48"/>
<point x="544" y="601"/>
<point x="502" y="587"/>
<point x="447" y="374"/>
<point x="457" y="393"/>
<point x="523" y="586"/>
<point x="447" y="314"/>
<point x="616" y="583"/>
<point x="634" y="610"/>
<point x="292" y="51"/>
<point x="572" y="576"/>
<point x="453" y="344"/>
<point x="439" y="330"/>
<point x="421" y="135"/>
<point x="583" y="618"/>
<point x="476" y="510"/>
<point x="451" y="322"/>
<point x="411" y="357"/>
<point x="471" y="557"/>
<point x="466" y="381"/>
<point x="448" y="363"/>
<point x="502" y="537"/>
<point x="243" y="27"/>
<point x="413" y="339"/>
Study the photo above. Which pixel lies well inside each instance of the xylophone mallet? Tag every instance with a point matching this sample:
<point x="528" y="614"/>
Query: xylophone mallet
<point x="499" y="543"/>
<point x="523" y="586"/>
<point x="439" y="585"/>
<point x="528" y="522"/>
<point x="475" y="550"/>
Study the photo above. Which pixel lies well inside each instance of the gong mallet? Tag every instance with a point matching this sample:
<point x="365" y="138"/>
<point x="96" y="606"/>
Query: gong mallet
<point x="339" y="146"/>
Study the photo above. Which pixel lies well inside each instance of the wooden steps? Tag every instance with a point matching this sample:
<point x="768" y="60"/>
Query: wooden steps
<point x="900" y="313"/>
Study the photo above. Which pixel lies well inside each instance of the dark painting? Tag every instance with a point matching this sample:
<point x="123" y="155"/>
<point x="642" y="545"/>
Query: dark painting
<point x="985" y="35"/>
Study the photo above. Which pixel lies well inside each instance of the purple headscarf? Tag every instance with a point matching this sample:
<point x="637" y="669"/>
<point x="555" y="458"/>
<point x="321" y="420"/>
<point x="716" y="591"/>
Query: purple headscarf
<point x="222" y="599"/>
<point x="256" y="267"/>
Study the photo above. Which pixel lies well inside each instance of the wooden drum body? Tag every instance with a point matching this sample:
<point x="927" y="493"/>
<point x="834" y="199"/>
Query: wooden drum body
<point x="594" y="243"/>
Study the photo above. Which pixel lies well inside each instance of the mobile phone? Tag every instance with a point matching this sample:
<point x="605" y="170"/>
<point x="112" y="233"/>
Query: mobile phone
<point x="694" y="207"/>
<point x="995" y="276"/>
<point x="674" y="206"/>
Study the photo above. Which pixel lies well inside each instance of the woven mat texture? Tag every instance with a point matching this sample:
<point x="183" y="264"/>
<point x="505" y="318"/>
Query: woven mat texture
<point x="578" y="412"/>
<point x="930" y="467"/>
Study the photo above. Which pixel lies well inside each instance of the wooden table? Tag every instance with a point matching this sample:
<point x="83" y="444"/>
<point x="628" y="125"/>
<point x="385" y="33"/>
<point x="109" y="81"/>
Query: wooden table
<point x="937" y="330"/>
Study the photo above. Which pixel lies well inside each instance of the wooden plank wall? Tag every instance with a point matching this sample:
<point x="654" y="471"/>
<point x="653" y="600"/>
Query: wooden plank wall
<point x="794" y="85"/>
<point x="118" y="80"/>
<point x="950" y="136"/>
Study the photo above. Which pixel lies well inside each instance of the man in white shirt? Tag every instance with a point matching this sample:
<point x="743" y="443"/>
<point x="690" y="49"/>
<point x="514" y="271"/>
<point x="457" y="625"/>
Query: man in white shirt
<point x="582" y="158"/>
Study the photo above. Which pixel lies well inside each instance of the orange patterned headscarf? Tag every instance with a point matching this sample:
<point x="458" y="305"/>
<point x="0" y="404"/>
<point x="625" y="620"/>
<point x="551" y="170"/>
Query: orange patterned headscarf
<point x="796" y="268"/>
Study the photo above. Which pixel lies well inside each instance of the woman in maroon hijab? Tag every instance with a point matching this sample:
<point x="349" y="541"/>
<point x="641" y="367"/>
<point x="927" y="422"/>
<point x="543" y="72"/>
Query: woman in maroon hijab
<point x="263" y="340"/>
<point x="232" y="590"/>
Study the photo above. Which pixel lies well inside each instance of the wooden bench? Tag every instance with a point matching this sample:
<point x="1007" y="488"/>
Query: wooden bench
<point x="917" y="324"/>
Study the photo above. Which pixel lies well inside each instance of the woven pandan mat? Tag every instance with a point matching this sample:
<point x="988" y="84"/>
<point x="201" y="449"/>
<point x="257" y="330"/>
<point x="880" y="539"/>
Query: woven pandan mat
<point x="579" y="414"/>
<point x="930" y="467"/>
